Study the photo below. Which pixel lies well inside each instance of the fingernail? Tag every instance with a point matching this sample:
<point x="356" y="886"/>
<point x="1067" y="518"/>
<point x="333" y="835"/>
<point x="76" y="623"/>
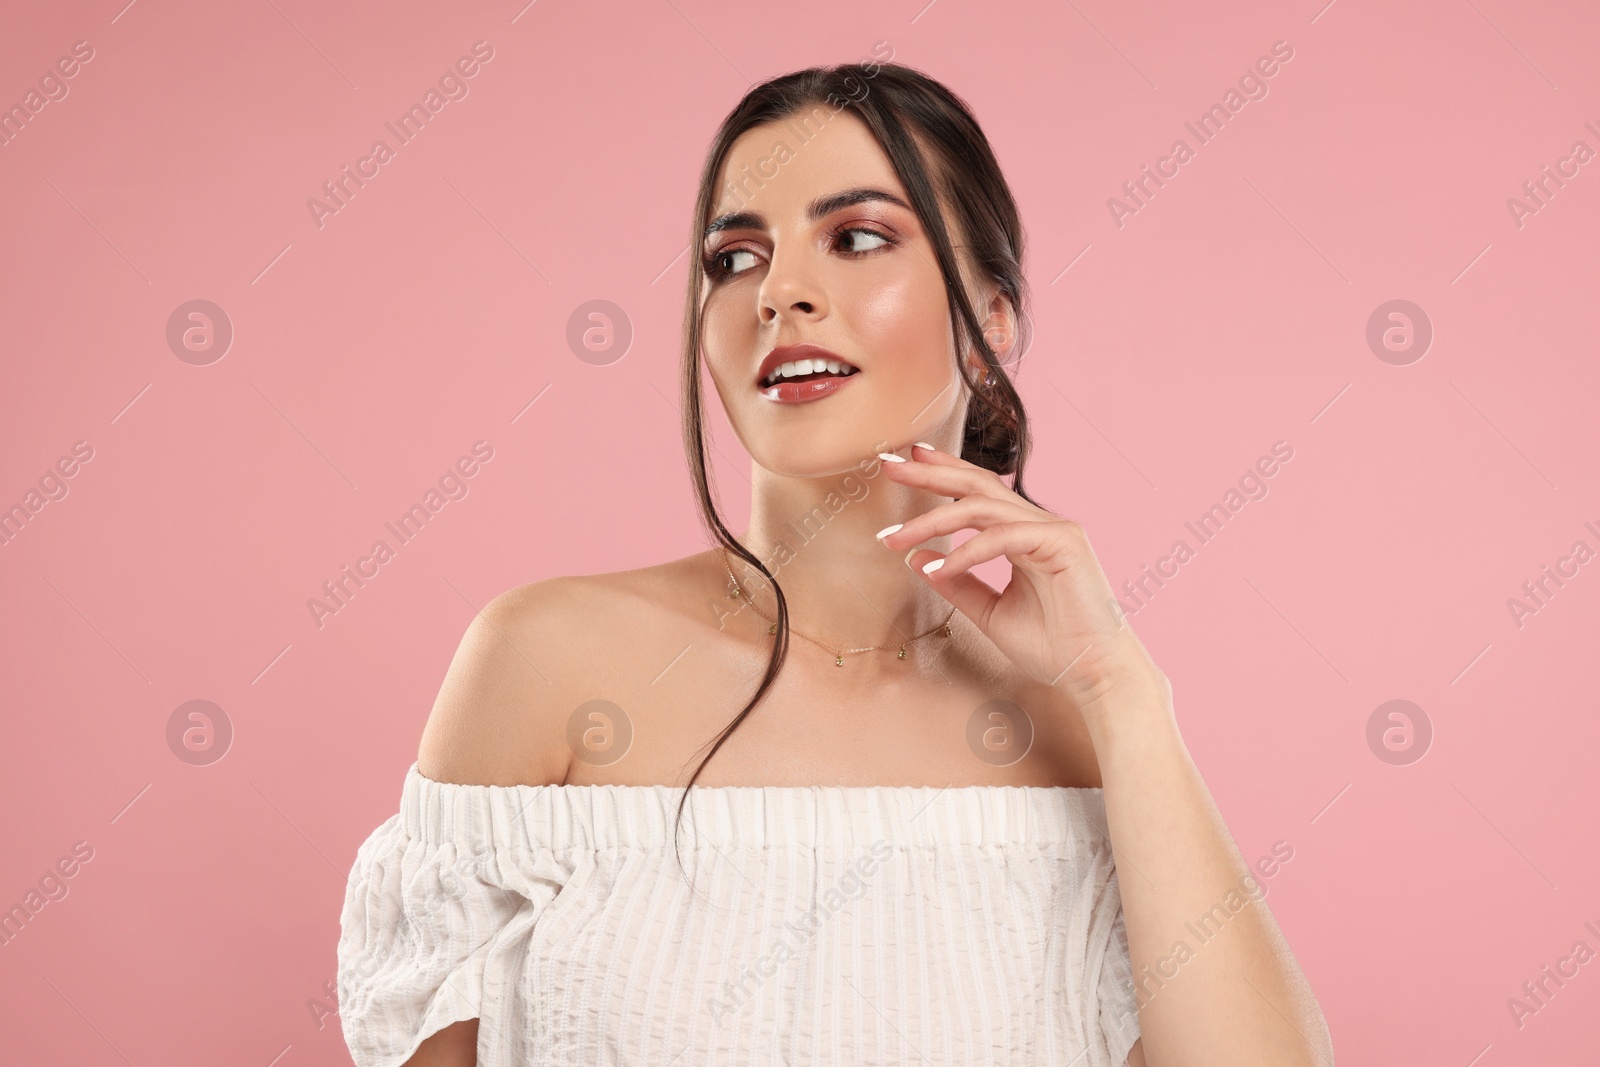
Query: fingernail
<point x="890" y="457"/>
<point x="924" y="444"/>
<point x="887" y="530"/>
<point x="907" y="559"/>
<point x="932" y="565"/>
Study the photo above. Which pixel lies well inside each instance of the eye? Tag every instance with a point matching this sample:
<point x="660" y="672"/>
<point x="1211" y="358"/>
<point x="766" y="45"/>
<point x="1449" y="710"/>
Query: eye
<point x="863" y="231"/>
<point x="713" y="264"/>
<point x="718" y="269"/>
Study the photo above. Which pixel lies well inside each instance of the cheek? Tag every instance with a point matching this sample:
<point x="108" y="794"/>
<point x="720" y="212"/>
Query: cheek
<point x="727" y="341"/>
<point x="905" y="329"/>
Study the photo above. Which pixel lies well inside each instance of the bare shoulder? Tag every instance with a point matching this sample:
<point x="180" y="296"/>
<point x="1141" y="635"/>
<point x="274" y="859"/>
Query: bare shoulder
<point x="537" y="652"/>
<point x="493" y="719"/>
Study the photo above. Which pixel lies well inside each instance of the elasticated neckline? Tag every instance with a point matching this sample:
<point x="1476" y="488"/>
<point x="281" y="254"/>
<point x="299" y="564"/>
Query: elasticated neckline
<point x="847" y="817"/>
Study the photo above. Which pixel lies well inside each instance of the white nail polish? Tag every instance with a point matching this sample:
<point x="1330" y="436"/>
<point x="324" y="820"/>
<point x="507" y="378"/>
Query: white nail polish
<point x="924" y="444"/>
<point x="932" y="565"/>
<point x="890" y="457"/>
<point x="887" y="530"/>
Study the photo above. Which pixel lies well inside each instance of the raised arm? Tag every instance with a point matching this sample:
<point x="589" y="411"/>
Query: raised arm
<point x="1238" y="997"/>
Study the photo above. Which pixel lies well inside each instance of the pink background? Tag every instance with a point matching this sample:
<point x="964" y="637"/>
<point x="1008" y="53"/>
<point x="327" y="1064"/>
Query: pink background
<point x="370" y="353"/>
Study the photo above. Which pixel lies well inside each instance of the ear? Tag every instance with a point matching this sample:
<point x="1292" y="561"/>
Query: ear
<point x="999" y="327"/>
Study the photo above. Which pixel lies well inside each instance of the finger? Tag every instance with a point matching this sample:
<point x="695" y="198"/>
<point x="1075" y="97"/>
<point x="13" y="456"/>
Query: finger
<point x="946" y="480"/>
<point x="922" y="452"/>
<point x="1013" y="539"/>
<point x="970" y="595"/>
<point x="971" y="512"/>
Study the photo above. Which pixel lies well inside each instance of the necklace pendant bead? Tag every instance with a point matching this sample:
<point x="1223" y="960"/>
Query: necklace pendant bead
<point x="772" y="629"/>
<point x="902" y="651"/>
<point x="947" y="632"/>
<point x="838" y="660"/>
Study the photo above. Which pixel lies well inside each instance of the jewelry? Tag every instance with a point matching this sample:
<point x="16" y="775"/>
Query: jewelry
<point x="838" y="653"/>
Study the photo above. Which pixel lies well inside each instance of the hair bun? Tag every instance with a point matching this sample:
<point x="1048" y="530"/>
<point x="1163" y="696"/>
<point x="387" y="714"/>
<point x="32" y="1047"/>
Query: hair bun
<point x="992" y="437"/>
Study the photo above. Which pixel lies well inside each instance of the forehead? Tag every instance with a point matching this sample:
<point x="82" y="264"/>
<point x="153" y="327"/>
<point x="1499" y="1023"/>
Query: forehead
<point x="777" y="167"/>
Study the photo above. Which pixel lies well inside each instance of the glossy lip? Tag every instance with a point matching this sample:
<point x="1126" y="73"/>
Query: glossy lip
<point x="792" y="392"/>
<point x="784" y="353"/>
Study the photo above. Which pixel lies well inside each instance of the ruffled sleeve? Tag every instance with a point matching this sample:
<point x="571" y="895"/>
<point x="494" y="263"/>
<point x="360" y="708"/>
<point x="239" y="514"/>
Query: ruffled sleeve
<point x="437" y="920"/>
<point x="1119" y="1005"/>
<point x="1110" y="1016"/>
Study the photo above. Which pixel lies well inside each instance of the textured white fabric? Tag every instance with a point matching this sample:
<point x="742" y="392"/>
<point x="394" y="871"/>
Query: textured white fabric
<point x="828" y="925"/>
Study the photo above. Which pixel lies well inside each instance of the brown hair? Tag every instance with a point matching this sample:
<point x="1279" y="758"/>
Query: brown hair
<point x="895" y="102"/>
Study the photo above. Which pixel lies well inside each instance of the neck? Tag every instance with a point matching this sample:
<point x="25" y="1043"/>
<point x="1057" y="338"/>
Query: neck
<point x="843" y="587"/>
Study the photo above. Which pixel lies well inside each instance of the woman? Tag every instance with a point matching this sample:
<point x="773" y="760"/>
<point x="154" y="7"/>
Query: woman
<point x="958" y="826"/>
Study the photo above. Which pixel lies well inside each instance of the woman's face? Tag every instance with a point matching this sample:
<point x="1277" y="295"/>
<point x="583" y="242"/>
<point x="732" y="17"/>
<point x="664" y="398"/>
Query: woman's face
<point x="856" y="278"/>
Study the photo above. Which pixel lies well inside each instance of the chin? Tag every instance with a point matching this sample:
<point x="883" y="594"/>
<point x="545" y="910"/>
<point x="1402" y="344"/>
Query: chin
<point x="828" y="466"/>
<point x="823" y="454"/>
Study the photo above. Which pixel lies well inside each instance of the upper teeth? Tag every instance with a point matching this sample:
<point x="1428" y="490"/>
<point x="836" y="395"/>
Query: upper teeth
<point x="808" y="366"/>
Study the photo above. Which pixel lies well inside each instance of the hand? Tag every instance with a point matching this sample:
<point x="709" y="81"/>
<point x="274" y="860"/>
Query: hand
<point x="1057" y="619"/>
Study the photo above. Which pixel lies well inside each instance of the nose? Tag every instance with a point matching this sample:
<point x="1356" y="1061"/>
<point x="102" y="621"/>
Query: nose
<point x="790" y="291"/>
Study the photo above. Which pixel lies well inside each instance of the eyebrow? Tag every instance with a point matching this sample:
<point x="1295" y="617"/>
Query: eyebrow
<point x="818" y="208"/>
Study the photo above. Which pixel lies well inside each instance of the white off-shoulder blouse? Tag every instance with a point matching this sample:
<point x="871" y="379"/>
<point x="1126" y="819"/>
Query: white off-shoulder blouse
<point x="859" y="925"/>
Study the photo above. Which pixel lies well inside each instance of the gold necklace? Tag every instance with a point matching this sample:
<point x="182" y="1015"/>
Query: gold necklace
<point x="838" y="653"/>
